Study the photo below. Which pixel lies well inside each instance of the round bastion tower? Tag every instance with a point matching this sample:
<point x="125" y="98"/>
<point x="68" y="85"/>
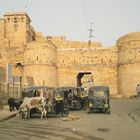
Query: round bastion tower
<point x="40" y="64"/>
<point x="128" y="64"/>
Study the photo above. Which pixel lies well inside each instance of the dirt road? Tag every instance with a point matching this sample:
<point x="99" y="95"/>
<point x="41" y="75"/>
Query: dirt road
<point x="122" y="124"/>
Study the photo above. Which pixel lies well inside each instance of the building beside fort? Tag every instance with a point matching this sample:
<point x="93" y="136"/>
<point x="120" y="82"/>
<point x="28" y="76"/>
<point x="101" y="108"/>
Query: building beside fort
<point x="26" y="56"/>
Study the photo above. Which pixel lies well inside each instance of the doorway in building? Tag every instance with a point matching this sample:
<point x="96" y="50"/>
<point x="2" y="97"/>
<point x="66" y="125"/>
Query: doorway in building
<point x="84" y="79"/>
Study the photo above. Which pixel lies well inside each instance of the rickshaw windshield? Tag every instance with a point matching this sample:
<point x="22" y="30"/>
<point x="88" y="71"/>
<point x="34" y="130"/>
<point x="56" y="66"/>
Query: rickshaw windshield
<point x="59" y="95"/>
<point x="98" y="94"/>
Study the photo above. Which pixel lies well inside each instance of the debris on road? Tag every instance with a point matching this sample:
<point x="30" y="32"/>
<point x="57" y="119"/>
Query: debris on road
<point x="71" y="118"/>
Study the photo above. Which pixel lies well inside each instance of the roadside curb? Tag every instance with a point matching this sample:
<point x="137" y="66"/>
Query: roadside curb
<point x="6" y="118"/>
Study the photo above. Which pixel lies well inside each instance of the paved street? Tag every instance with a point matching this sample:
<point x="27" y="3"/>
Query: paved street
<point x="122" y="124"/>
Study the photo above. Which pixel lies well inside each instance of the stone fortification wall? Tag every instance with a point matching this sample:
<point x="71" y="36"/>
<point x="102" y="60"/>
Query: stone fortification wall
<point x="10" y="52"/>
<point x="3" y="46"/>
<point x="2" y="28"/>
<point x="128" y="63"/>
<point x="62" y="43"/>
<point x="102" y="63"/>
<point x="78" y="57"/>
<point x="40" y="63"/>
<point x="18" y="28"/>
<point x="79" y="45"/>
<point x="3" y="72"/>
<point x="39" y="37"/>
<point x="55" y="61"/>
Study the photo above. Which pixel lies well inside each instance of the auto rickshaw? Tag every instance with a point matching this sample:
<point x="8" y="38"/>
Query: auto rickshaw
<point x="72" y="97"/>
<point x="32" y="91"/>
<point x="54" y="99"/>
<point x="98" y="99"/>
<point x="35" y="91"/>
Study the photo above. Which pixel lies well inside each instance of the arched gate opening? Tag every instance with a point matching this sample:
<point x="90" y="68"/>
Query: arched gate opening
<point x="84" y="78"/>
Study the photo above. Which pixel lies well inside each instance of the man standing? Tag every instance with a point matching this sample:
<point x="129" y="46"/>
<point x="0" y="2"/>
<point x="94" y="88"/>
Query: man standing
<point x="138" y="90"/>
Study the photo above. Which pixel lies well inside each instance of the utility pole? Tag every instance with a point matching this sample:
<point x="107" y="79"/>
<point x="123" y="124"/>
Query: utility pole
<point x="25" y="8"/>
<point x="90" y="34"/>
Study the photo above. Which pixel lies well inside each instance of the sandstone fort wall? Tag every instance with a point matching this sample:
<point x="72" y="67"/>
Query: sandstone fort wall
<point x="56" y="61"/>
<point x="128" y="63"/>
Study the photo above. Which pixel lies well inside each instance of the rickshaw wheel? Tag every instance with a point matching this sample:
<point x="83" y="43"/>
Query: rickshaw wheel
<point x="108" y="111"/>
<point x="88" y="111"/>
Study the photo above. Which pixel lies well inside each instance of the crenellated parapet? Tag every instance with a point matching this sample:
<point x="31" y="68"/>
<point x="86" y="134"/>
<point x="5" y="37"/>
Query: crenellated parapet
<point x="129" y="49"/>
<point x="84" y="57"/>
<point x="128" y="38"/>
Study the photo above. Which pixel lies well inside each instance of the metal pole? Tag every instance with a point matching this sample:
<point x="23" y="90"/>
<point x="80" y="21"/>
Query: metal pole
<point x="90" y="35"/>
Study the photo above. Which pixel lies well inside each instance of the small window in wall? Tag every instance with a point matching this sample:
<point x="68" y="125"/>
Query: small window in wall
<point x="8" y="19"/>
<point x="22" y="19"/>
<point x="15" y="26"/>
<point x="63" y="61"/>
<point x="74" y="60"/>
<point x="92" y="61"/>
<point x="37" y="58"/>
<point x="15" y="20"/>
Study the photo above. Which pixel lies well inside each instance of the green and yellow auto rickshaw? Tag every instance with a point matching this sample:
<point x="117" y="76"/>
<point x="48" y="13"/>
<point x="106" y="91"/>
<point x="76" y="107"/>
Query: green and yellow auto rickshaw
<point x="72" y="97"/>
<point x="98" y="99"/>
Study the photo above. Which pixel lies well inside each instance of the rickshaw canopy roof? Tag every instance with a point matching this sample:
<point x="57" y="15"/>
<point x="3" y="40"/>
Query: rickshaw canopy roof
<point x="29" y="91"/>
<point x="99" y="88"/>
<point x="67" y="88"/>
<point x="99" y="92"/>
<point x="35" y="88"/>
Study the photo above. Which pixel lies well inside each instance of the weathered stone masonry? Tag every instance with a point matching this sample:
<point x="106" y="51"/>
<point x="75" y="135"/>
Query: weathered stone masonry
<point x="55" y="61"/>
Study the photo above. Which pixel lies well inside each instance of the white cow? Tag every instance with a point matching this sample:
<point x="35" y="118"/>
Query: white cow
<point x="30" y="103"/>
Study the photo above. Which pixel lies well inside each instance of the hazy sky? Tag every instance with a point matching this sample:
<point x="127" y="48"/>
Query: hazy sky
<point x="71" y="18"/>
